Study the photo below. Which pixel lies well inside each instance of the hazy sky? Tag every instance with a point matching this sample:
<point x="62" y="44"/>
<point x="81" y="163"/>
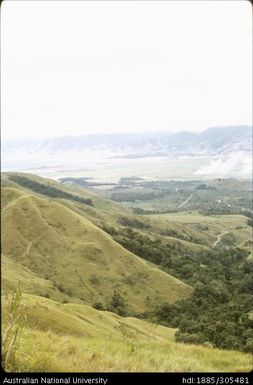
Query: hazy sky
<point x="77" y="67"/>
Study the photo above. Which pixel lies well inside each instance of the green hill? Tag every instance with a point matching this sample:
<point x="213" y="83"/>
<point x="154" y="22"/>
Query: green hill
<point x="77" y="258"/>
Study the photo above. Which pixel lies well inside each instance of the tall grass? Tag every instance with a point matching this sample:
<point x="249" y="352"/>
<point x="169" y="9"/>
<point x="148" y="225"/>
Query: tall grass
<point x="77" y="338"/>
<point x="45" y="351"/>
<point x="13" y="325"/>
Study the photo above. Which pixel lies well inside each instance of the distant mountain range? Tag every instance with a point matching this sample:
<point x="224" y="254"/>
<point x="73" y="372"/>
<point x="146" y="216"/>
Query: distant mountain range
<point x="214" y="140"/>
<point x="227" y="148"/>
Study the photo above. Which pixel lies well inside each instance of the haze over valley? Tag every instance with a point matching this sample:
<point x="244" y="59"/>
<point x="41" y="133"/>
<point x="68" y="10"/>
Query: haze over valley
<point x="215" y="152"/>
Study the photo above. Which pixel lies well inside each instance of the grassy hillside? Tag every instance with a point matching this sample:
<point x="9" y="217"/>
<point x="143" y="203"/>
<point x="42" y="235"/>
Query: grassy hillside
<point x="16" y="275"/>
<point x="72" y="253"/>
<point x="77" y="258"/>
<point x="78" y="338"/>
<point x="205" y="228"/>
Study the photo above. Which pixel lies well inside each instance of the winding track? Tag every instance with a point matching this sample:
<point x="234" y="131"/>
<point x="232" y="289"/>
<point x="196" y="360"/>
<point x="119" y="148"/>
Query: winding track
<point x="219" y="238"/>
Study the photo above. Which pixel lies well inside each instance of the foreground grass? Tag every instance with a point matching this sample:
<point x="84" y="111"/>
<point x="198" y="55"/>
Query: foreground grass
<point x="77" y="338"/>
<point x="46" y="351"/>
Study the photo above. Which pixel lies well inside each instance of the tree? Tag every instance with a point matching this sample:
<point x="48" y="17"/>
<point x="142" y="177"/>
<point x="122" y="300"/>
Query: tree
<point x="117" y="304"/>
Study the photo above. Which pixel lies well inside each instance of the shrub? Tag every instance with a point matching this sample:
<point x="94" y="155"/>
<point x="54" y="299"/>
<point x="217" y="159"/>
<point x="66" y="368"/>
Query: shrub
<point x="189" y="338"/>
<point x="94" y="279"/>
<point x="99" y="306"/>
<point x="117" y="304"/>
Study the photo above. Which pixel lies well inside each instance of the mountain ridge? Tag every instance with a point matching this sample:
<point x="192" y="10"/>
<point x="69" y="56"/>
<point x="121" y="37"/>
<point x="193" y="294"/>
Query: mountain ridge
<point x="217" y="151"/>
<point x="205" y="140"/>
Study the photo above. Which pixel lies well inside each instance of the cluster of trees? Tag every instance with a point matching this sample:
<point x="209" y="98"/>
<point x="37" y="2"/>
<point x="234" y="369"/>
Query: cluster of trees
<point x="224" y="209"/>
<point x="217" y="210"/>
<point x="170" y="257"/>
<point x="218" y="312"/>
<point x="164" y="195"/>
<point x="132" y="196"/>
<point x="249" y="215"/>
<point x="150" y="249"/>
<point x="47" y="190"/>
<point x="117" y="304"/>
<point x="133" y="222"/>
<point x="140" y="211"/>
<point x="203" y="186"/>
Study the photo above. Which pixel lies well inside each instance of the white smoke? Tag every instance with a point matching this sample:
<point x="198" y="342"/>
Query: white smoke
<point x="234" y="164"/>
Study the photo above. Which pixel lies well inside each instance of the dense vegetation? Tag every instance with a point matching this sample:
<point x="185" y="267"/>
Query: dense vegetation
<point x="135" y="196"/>
<point x="47" y="190"/>
<point x="151" y="247"/>
<point x="218" y="312"/>
<point x="249" y="214"/>
<point x="220" y="196"/>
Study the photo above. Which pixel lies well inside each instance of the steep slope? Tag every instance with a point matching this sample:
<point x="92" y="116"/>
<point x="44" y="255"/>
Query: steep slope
<point x="77" y="257"/>
<point x="14" y="275"/>
<point x="102" y="209"/>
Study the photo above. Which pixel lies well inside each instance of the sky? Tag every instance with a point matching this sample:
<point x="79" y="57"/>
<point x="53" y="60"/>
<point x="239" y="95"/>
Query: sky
<point x="80" y="67"/>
